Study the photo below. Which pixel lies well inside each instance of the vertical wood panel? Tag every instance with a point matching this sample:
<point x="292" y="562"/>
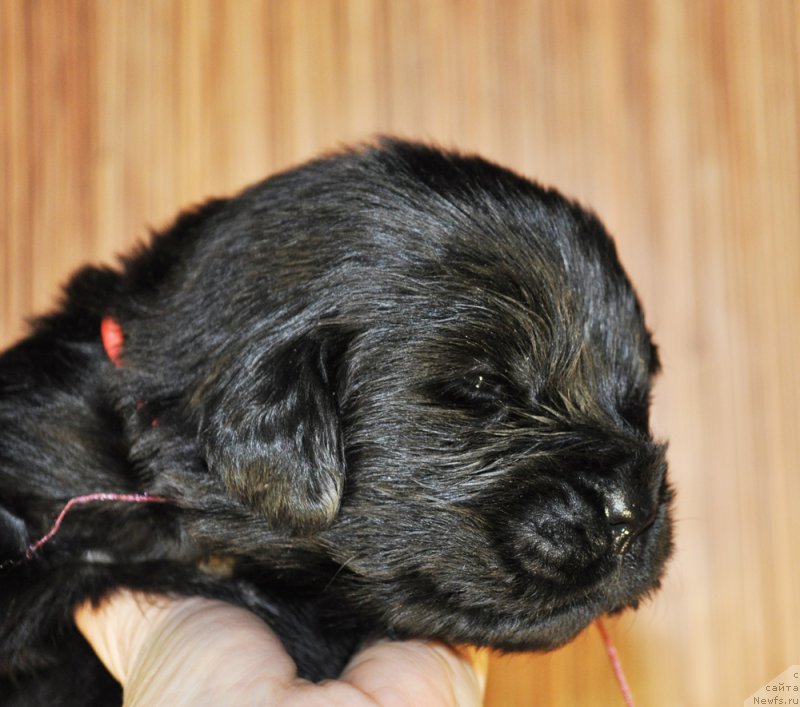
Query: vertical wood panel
<point x="678" y="122"/>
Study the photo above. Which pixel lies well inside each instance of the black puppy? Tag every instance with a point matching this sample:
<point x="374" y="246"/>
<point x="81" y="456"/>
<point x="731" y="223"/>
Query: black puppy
<point x="391" y="392"/>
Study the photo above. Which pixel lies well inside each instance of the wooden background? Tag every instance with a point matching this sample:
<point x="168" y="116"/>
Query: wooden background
<point x="677" y="120"/>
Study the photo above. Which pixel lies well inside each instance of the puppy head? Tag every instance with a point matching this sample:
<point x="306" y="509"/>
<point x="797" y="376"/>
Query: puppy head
<point x="503" y="487"/>
<point x="438" y="373"/>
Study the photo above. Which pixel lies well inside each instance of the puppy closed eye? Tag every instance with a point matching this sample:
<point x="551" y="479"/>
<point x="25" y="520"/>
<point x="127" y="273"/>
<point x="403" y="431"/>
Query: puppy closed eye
<point x="484" y="387"/>
<point x="476" y="392"/>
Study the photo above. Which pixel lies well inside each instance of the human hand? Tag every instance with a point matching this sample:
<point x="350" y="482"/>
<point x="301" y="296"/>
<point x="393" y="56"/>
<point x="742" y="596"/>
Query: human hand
<point x="194" y="651"/>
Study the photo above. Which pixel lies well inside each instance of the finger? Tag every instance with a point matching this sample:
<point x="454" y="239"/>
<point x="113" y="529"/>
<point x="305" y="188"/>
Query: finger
<point x="479" y="659"/>
<point x="416" y="672"/>
<point x="117" y="627"/>
<point x="186" y="652"/>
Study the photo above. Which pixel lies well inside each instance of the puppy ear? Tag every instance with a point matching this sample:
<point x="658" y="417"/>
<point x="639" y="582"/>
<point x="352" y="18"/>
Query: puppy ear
<point x="271" y="431"/>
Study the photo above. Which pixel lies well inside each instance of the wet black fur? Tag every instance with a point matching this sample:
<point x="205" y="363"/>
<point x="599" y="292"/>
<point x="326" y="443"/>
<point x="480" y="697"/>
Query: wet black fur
<point x="392" y="392"/>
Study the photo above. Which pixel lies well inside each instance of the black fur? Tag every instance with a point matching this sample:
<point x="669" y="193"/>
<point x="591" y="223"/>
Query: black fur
<point x="395" y="392"/>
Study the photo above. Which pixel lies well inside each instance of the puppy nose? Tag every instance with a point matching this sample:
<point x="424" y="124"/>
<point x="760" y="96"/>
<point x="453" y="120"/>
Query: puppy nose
<point x="626" y="519"/>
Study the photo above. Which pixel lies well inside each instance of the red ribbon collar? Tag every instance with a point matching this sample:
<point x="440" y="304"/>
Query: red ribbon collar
<point x="113" y="339"/>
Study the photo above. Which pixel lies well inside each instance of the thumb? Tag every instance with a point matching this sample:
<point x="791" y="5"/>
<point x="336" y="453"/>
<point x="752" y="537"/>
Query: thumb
<point x="160" y="650"/>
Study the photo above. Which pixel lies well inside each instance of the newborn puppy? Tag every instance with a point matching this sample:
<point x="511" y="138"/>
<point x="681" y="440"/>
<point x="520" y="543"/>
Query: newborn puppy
<point x="395" y="391"/>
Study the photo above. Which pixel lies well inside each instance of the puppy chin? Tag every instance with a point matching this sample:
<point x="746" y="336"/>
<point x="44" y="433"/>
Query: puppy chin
<point x="622" y="589"/>
<point x="545" y="615"/>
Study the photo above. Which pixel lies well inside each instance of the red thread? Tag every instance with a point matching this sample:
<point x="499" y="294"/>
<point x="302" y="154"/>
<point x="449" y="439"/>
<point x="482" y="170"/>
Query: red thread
<point x="616" y="663"/>
<point x="113" y="339"/>
<point x="89" y="498"/>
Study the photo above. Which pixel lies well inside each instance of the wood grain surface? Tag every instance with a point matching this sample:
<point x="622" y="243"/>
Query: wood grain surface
<point x="677" y="120"/>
